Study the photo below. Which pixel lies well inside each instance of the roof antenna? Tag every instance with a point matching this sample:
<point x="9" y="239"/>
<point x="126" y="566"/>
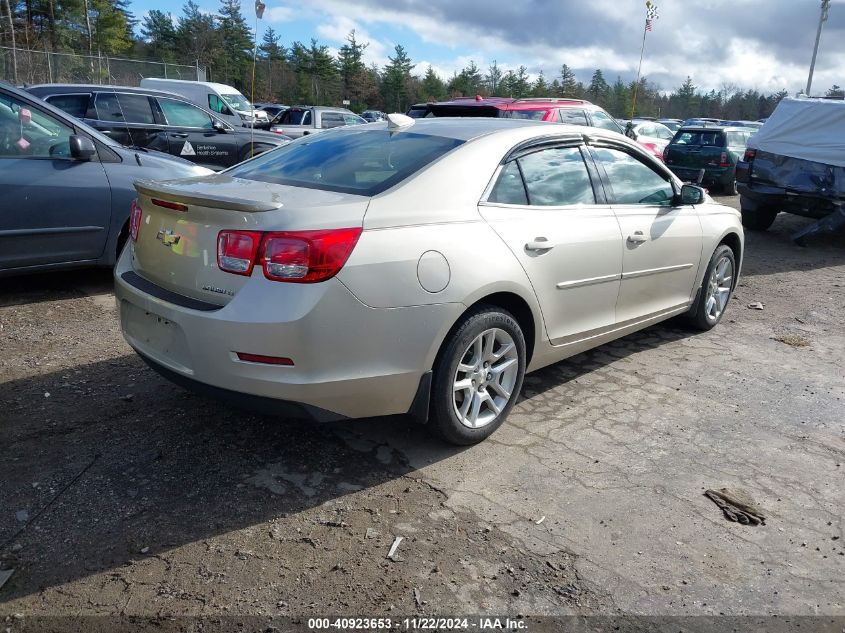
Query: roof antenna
<point x="397" y="122"/>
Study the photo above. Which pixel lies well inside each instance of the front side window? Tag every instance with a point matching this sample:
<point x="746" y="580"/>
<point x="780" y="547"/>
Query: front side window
<point x="74" y="105"/>
<point x="632" y="181"/>
<point x="124" y="108"/>
<point x="603" y="121"/>
<point x="216" y="104"/>
<point x="181" y="114"/>
<point x="353" y="119"/>
<point x="26" y="132"/>
<point x="356" y="160"/>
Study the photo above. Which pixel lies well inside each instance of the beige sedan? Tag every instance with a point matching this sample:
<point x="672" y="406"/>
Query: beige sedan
<point x="416" y="267"/>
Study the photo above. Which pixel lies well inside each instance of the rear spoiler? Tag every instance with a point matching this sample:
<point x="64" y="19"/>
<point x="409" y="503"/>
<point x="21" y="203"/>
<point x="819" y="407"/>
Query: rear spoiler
<point x="173" y="193"/>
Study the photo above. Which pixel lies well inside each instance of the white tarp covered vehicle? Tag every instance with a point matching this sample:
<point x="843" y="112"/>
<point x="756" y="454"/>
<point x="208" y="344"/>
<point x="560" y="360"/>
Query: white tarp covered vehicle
<point x="810" y="129"/>
<point x="796" y="164"/>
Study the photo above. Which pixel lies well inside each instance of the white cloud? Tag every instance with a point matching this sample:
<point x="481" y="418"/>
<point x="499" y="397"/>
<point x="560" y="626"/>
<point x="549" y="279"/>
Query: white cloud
<point x="278" y="14"/>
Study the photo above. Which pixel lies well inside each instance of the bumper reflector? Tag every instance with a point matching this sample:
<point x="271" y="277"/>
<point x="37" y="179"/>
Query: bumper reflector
<point x="266" y="360"/>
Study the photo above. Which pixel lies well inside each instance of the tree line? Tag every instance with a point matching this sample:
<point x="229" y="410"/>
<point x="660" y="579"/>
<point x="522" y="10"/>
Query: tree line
<point x="299" y="72"/>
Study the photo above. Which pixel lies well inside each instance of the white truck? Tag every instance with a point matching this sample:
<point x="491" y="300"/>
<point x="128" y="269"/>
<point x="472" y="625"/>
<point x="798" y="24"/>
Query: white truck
<point x="221" y="99"/>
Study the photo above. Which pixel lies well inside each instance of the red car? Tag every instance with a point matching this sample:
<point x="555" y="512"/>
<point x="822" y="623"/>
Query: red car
<point x="551" y="109"/>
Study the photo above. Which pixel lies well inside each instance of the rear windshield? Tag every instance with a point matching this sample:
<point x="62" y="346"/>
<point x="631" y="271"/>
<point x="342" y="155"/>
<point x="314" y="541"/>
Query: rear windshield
<point x="362" y="162"/>
<point x="532" y="115"/>
<point x="715" y="138"/>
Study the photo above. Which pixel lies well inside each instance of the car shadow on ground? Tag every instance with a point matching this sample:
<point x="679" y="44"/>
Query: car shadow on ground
<point x="118" y="464"/>
<point x="55" y="286"/>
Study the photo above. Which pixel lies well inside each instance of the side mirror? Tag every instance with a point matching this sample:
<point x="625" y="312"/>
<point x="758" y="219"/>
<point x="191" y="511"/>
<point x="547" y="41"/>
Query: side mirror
<point x="81" y="147"/>
<point x="220" y="126"/>
<point x="690" y="194"/>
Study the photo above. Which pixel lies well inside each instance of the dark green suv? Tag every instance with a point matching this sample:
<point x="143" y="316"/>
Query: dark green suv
<point x="714" y="149"/>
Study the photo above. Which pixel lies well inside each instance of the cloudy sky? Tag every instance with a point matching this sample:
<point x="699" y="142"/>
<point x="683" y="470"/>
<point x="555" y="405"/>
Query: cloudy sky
<point x="763" y="44"/>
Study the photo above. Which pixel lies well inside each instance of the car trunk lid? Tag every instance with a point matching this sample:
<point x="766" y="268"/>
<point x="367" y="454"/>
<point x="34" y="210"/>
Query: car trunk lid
<point x="176" y="247"/>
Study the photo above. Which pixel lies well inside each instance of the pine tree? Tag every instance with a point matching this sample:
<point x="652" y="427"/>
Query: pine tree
<point x="158" y="30"/>
<point x="568" y="83"/>
<point x="493" y="78"/>
<point x="432" y="87"/>
<point x="540" y="88"/>
<point x="236" y="43"/>
<point x="598" y="89"/>
<point x="351" y="66"/>
<point x="196" y="34"/>
<point x="395" y="78"/>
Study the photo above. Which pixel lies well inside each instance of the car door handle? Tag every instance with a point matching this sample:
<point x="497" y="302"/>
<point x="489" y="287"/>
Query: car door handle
<point x="539" y="244"/>
<point x="178" y="135"/>
<point x="637" y="237"/>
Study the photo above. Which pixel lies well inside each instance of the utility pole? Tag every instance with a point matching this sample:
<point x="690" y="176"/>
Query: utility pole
<point x="822" y="19"/>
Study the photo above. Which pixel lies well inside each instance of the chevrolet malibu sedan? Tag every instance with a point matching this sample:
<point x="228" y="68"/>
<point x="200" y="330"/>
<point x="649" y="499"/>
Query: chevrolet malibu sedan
<point x="416" y="267"/>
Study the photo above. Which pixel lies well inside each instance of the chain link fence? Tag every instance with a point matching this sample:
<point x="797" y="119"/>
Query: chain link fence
<point x="22" y="66"/>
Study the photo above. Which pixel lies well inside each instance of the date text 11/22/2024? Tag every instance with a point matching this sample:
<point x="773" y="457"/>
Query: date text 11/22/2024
<point x="419" y="624"/>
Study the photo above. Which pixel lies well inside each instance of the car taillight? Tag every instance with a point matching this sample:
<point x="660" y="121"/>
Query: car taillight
<point x="135" y="213"/>
<point x="723" y="160"/>
<point x="307" y="256"/>
<point x="749" y="155"/>
<point x="236" y="251"/>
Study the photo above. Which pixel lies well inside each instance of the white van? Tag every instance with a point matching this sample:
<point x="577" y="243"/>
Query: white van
<point x="224" y="100"/>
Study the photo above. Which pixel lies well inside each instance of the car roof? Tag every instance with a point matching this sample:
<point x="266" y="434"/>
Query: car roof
<point x="82" y="88"/>
<point x="469" y="128"/>
<point x="712" y="128"/>
<point x="510" y="103"/>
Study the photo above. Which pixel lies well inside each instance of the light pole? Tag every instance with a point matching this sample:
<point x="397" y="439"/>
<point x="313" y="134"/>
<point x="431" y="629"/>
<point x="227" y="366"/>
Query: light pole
<point x="822" y="20"/>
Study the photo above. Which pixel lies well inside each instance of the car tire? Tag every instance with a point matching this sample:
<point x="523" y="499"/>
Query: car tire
<point x="486" y="352"/>
<point x="755" y="217"/>
<point x="716" y="290"/>
<point x="730" y="189"/>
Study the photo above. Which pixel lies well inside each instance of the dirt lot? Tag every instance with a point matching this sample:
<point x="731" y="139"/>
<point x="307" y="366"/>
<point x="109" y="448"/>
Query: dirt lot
<point x="123" y="494"/>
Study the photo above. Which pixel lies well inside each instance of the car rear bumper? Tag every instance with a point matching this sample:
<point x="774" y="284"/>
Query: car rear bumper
<point x="778" y="199"/>
<point x="712" y="175"/>
<point x="350" y="360"/>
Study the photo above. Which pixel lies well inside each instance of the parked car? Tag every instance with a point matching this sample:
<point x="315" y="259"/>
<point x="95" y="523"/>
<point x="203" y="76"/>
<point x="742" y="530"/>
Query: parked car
<point x="225" y="101"/>
<point x="794" y="163"/>
<point x="303" y="120"/>
<point x="371" y="116"/>
<point x="66" y="188"/>
<point x="650" y="134"/>
<point x="672" y="124"/>
<point x="548" y="109"/>
<point x="158" y="120"/>
<point x="383" y="286"/>
<point x="272" y="109"/>
<point x="714" y="149"/>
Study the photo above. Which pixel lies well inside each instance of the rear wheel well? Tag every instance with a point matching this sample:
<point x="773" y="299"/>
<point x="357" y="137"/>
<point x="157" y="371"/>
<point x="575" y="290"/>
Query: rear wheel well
<point x="514" y="304"/>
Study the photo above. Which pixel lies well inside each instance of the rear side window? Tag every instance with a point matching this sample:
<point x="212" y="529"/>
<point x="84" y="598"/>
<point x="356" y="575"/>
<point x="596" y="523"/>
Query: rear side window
<point x="531" y="115"/>
<point x="74" y="105"/>
<point x="551" y="177"/>
<point x="509" y="189"/>
<point x="573" y="117"/>
<point x="737" y="139"/>
<point x="123" y="107"/>
<point x="181" y="114"/>
<point x="354" y="160"/>
<point x="296" y="117"/>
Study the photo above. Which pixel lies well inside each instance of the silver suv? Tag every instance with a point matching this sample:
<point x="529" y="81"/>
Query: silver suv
<point x="301" y="120"/>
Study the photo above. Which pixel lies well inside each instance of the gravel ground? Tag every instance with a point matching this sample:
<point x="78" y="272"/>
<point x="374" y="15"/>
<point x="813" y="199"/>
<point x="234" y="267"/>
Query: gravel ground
<point x="121" y="494"/>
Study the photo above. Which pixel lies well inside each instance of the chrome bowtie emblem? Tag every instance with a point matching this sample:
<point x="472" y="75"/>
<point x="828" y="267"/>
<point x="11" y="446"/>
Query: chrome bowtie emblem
<point x="168" y="237"/>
